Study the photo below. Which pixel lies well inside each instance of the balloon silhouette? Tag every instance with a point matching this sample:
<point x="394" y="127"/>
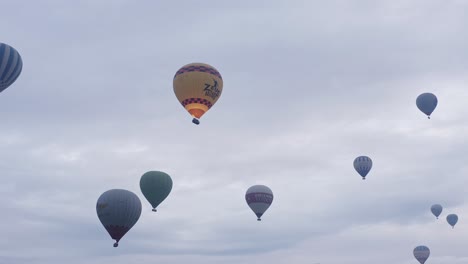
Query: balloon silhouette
<point x="155" y="186"/>
<point x="436" y="210"/>
<point x="421" y="253"/>
<point x="118" y="210"/>
<point x="426" y="102"/>
<point x="452" y="219"/>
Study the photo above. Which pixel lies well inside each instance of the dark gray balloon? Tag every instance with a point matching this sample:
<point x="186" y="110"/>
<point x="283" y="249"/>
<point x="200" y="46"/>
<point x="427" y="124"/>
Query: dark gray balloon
<point x="426" y="102"/>
<point x="452" y="219"/>
<point x="362" y="165"/>
<point x="436" y="210"/>
<point x="118" y="210"/>
<point x="259" y="199"/>
<point x="421" y="253"/>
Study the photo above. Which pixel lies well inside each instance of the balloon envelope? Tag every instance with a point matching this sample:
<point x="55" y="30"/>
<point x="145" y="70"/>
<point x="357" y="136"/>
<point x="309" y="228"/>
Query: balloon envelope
<point x="259" y="199"/>
<point x="436" y="210"/>
<point x="118" y="210"/>
<point x="363" y="165"/>
<point x="11" y="65"/>
<point x="197" y="86"/>
<point x="452" y="219"/>
<point x="155" y="186"/>
<point x="421" y="253"/>
<point x="426" y="102"/>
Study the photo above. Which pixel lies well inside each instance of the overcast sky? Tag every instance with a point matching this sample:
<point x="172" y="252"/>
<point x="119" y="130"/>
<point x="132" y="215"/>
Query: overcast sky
<point x="308" y="86"/>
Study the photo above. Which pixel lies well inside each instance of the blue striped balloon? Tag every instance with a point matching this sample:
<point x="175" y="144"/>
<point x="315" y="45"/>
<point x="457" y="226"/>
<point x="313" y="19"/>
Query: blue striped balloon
<point x="10" y="66"/>
<point x="363" y="165"/>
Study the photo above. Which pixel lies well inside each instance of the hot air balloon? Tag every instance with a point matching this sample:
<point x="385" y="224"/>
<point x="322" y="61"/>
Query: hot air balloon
<point x="421" y="253"/>
<point x="363" y="165"/>
<point x="118" y="210"/>
<point x="155" y="186"/>
<point x="426" y="102"/>
<point x="10" y="66"/>
<point x="452" y="219"/>
<point x="197" y="86"/>
<point x="259" y="198"/>
<point x="436" y="210"/>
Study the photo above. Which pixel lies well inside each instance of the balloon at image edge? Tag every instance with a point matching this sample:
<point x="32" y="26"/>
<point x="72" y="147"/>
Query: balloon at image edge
<point x="362" y="165"/>
<point x="11" y="65"/>
<point x="421" y="253"/>
<point x="452" y="219"/>
<point x="197" y="86"/>
<point x="118" y="210"/>
<point x="436" y="210"/>
<point x="426" y="102"/>
<point x="155" y="186"/>
<point x="259" y="198"/>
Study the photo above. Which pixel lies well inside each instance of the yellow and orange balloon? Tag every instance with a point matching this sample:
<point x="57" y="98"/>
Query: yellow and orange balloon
<point x="197" y="86"/>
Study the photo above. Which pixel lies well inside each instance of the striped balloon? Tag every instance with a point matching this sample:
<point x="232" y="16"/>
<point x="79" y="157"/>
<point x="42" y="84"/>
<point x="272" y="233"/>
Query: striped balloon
<point x="118" y="210"/>
<point x="259" y="199"/>
<point x="452" y="219"/>
<point x="363" y="165"/>
<point x="421" y="253"/>
<point x="10" y="66"/>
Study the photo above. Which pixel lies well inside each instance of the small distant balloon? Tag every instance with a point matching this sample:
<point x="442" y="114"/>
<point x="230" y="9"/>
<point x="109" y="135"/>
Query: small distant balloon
<point x="118" y="210"/>
<point x="363" y="165"/>
<point x="436" y="210"/>
<point x="452" y="219"/>
<point x="426" y="102"/>
<point x="421" y="253"/>
<point x="11" y="65"/>
<point x="155" y="186"/>
<point x="259" y="199"/>
<point x="197" y="86"/>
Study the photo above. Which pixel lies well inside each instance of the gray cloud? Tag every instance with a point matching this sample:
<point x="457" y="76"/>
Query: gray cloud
<point x="308" y="86"/>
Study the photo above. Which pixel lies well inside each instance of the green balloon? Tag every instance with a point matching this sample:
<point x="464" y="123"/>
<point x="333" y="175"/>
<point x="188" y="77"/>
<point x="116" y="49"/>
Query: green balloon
<point x="155" y="186"/>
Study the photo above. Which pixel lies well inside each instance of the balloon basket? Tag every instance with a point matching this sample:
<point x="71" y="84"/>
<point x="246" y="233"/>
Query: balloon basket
<point x="154" y="210"/>
<point x="196" y="121"/>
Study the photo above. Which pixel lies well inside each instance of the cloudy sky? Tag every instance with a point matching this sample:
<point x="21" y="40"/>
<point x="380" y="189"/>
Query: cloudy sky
<point x="308" y="86"/>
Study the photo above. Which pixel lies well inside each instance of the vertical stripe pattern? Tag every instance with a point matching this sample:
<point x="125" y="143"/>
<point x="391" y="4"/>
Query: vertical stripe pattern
<point x="363" y="165"/>
<point x="10" y="66"/>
